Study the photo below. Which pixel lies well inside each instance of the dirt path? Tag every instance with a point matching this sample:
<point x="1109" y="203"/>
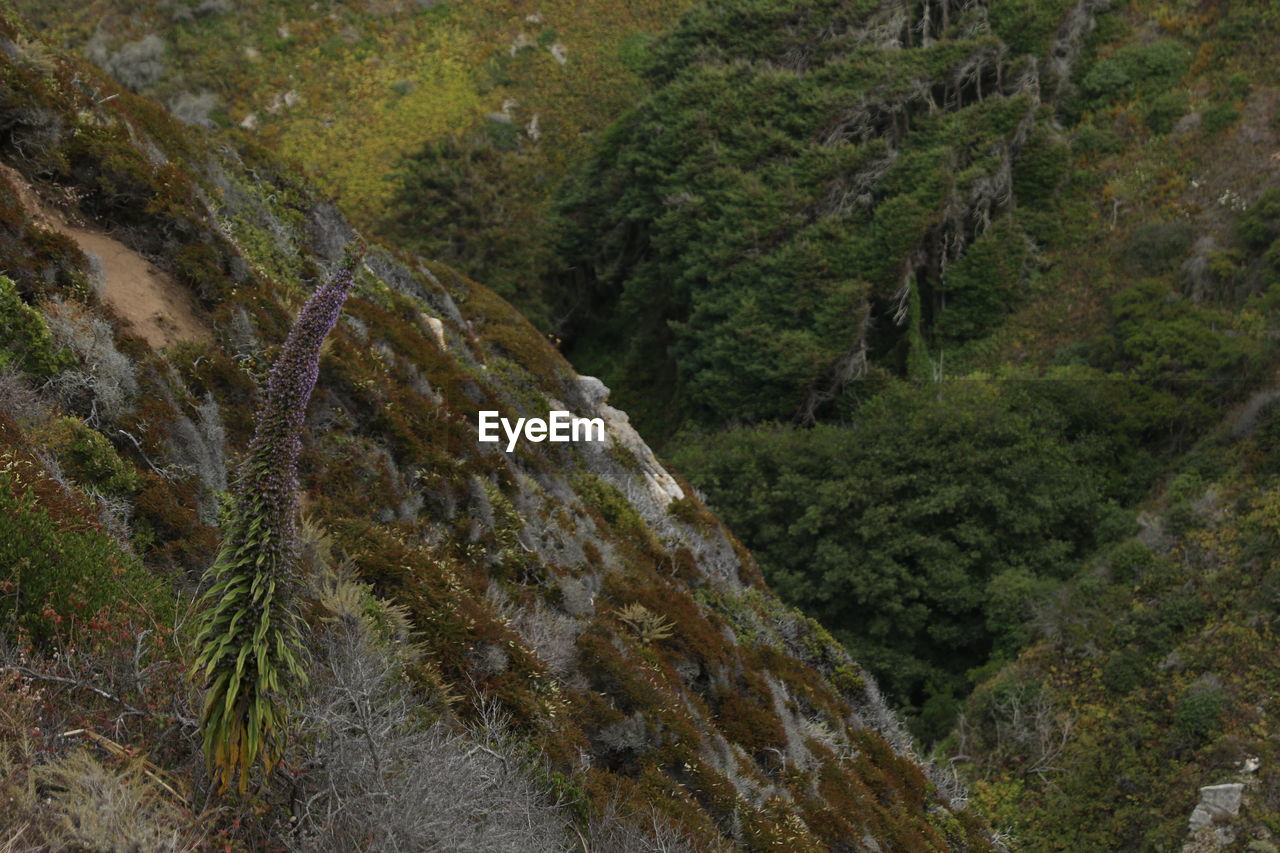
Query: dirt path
<point x="147" y="299"/>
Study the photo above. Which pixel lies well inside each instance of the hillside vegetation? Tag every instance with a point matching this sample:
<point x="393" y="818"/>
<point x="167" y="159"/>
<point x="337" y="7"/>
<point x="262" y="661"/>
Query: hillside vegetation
<point x="555" y="648"/>
<point x="960" y="314"/>
<point x="443" y="126"/>
<point x="925" y="297"/>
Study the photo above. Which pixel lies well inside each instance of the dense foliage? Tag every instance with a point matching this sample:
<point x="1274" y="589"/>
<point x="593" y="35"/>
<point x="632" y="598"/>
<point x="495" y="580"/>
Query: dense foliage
<point x="818" y="193"/>
<point x="466" y="199"/>
<point x="750" y="235"/>
<point x="921" y="533"/>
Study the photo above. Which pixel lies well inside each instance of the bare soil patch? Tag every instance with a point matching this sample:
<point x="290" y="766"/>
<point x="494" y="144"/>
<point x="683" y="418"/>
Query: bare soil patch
<point x="147" y="299"/>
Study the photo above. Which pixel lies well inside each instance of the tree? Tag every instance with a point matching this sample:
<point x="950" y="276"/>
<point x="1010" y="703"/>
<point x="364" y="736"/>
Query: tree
<point x="915" y="532"/>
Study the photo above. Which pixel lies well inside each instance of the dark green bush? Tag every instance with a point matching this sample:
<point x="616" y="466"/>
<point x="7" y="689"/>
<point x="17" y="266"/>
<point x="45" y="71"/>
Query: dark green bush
<point x="1157" y="64"/>
<point x="1140" y="68"/>
<point x="1093" y="141"/>
<point x="1260" y="225"/>
<point x="1125" y="670"/>
<point x="1107" y="81"/>
<point x="1199" y="711"/>
<point x="1164" y="110"/>
<point x="87" y="456"/>
<point x="1218" y="118"/>
<point x="1185" y="369"/>
<point x="982" y="286"/>
<point x="1131" y="561"/>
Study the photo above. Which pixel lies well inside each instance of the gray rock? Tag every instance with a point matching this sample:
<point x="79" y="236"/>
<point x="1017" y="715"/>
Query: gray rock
<point x="1187" y="124"/>
<point x="1217" y="801"/>
<point x="594" y="392"/>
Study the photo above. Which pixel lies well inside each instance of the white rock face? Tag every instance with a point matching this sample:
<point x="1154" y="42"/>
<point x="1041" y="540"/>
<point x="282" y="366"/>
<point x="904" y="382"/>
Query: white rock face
<point x="437" y="329"/>
<point x="662" y="487"/>
<point x="1211" y="827"/>
<point x="1217" y="801"/>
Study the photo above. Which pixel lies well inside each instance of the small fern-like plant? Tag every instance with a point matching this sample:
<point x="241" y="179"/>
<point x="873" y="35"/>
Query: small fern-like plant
<point x="249" y="643"/>
<point x="650" y="627"/>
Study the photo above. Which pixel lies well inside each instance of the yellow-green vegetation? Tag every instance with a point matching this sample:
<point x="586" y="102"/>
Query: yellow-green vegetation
<point x="353" y="90"/>
<point x="25" y="342"/>
<point x="1151" y="675"/>
<point x="61" y="567"/>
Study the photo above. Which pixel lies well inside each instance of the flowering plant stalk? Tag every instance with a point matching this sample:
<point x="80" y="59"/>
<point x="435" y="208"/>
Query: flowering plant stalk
<point x="250" y="641"/>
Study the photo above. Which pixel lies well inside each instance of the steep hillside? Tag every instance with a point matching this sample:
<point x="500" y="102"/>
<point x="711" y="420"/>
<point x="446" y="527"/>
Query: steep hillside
<point x="443" y="125"/>
<point x="925" y="297"/>
<point x="1152" y="675"/>
<point x="555" y="647"/>
<point x="815" y="191"/>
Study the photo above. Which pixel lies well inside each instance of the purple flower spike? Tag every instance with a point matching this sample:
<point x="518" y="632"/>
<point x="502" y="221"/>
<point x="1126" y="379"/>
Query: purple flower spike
<point x="250" y="640"/>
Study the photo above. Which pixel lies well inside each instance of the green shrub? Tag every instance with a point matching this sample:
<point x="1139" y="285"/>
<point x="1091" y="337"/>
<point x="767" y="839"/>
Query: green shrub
<point x="1259" y="226"/>
<point x="1106" y="81"/>
<point x="1131" y="561"/>
<point x="981" y="288"/>
<point x="1164" y="111"/>
<point x="58" y="567"/>
<point x="1182" y="610"/>
<point x="1199" y="711"/>
<point x="1185" y="368"/>
<point x="1041" y="169"/>
<point x="1218" y="118"/>
<point x="1155" y="65"/>
<point x="1093" y="141"/>
<point x="612" y="505"/>
<point x="87" y="456"/>
<point x="25" y="340"/>
<point x="1125" y="670"/>
<point x="1027" y="26"/>
<point x="1141" y="68"/>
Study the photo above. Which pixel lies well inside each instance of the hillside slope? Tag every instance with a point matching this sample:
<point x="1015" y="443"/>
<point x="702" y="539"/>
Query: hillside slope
<point x="443" y="126"/>
<point x="1152" y="675"/>
<point x="926" y="297"/>
<point x="558" y="641"/>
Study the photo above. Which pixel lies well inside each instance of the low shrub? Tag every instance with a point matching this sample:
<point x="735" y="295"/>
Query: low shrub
<point x="138" y="64"/>
<point x="1199" y="712"/>
<point x="56" y="567"/>
<point x="1164" y="111"/>
<point x="87" y="456"/>
<point x="1218" y="118"/>
<point x="25" y="340"/>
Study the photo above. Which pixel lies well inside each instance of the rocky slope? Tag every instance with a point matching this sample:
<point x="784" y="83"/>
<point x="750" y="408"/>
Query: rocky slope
<point x="651" y="686"/>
